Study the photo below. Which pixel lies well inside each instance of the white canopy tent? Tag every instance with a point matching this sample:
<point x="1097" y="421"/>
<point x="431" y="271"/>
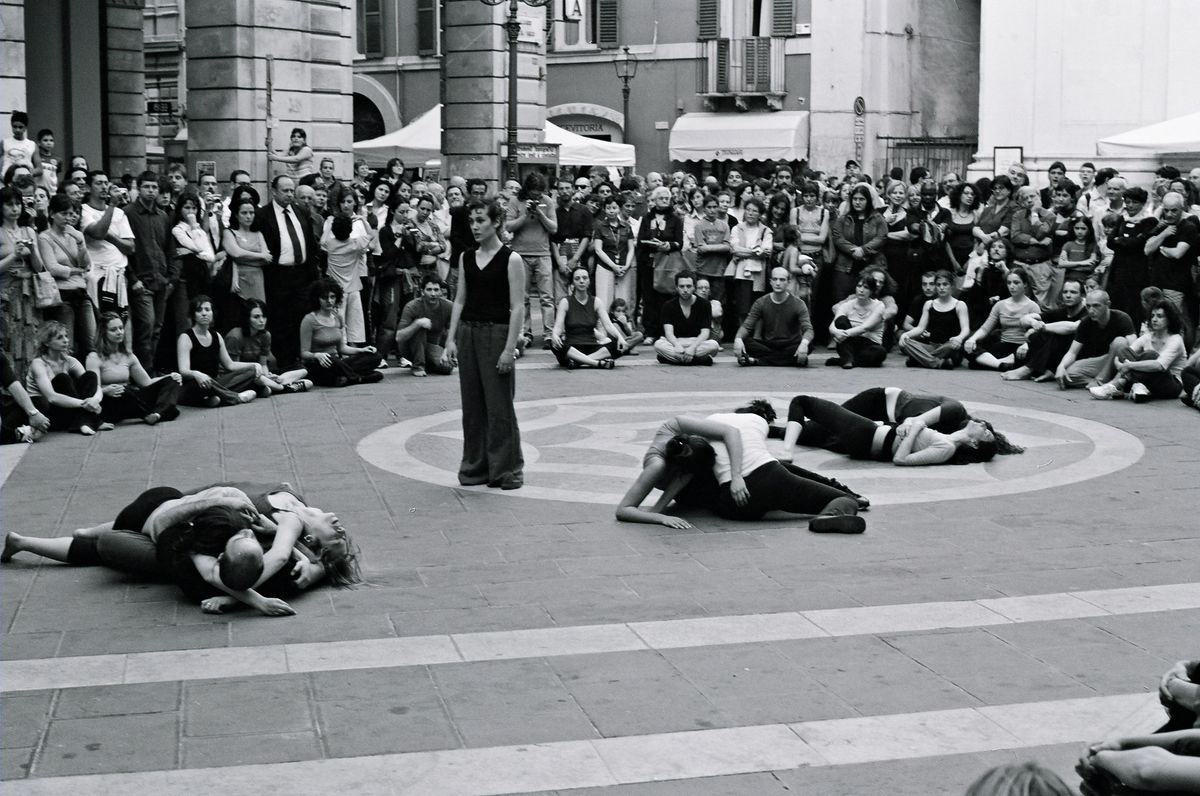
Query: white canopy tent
<point x="1181" y="134"/>
<point x="780" y="135"/>
<point x="421" y="140"/>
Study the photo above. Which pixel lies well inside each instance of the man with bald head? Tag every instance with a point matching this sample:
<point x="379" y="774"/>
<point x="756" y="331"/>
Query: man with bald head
<point x="1098" y="337"/>
<point x="653" y="180"/>
<point x="1172" y="250"/>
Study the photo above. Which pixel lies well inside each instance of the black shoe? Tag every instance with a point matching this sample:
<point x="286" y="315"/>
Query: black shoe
<point x="911" y="363"/>
<point x="704" y="362"/>
<point x="371" y="378"/>
<point x="840" y="516"/>
<point x="547" y="344"/>
<point x="508" y="482"/>
<point x="663" y="360"/>
<point x="833" y="362"/>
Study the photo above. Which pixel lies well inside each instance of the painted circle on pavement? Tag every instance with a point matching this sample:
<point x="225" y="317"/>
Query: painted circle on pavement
<point x="588" y="449"/>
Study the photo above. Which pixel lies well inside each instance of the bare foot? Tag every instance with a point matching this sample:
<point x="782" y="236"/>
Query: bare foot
<point x="11" y="547"/>
<point x="217" y="605"/>
<point x="1016" y="374"/>
<point x="87" y="431"/>
<point x="246" y="396"/>
<point x="105" y="427"/>
<point x="152" y="418"/>
<point x="1043" y="377"/>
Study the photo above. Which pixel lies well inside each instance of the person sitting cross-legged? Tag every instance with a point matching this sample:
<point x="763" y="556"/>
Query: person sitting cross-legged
<point x="1152" y="365"/>
<point x="421" y="332"/>
<point x="857" y="328"/>
<point x="575" y="322"/>
<point x="686" y="326"/>
<point x="943" y="323"/>
<point x="1089" y="360"/>
<point x="1049" y="335"/>
<point x="777" y="330"/>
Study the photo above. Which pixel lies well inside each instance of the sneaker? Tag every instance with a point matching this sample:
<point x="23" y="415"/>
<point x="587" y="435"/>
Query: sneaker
<point x="403" y="363"/>
<point x="1106" y="392"/>
<point x="418" y="370"/>
<point x="840" y="516"/>
<point x="24" y="434"/>
<point x="1139" y="393"/>
<point x="383" y="364"/>
<point x="246" y="396"/>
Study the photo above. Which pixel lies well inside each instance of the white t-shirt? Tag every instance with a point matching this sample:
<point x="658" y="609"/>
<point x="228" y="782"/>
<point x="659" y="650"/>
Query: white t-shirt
<point x="104" y="253"/>
<point x="17" y="153"/>
<point x="753" y="430"/>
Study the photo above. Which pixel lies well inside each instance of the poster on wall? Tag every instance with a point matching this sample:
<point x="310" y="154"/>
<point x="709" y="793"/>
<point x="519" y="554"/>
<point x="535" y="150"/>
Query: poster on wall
<point x="1005" y="156"/>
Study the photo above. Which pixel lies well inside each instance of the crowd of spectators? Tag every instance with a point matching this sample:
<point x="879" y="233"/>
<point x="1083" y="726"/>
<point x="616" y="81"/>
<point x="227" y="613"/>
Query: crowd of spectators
<point x="320" y="280"/>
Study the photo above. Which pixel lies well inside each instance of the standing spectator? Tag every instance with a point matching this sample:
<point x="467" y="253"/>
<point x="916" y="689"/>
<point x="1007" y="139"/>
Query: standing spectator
<point x="751" y="243"/>
<point x="1031" y="238"/>
<point x="571" y="244"/>
<point x="421" y="330"/>
<point x="777" y="330"/>
<point x="177" y="178"/>
<point x="614" y="253"/>
<point x="238" y="178"/>
<point x="345" y="241"/>
<point x="1056" y="174"/>
<point x="18" y="150"/>
<point x="1127" y="274"/>
<point x="903" y="233"/>
<point x="248" y="255"/>
<point x="19" y="259"/>
<point x="712" y="248"/>
<point x="482" y="340"/>
<point x="65" y="255"/>
<point x="858" y="237"/>
<point x="531" y="219"/>
<point x="1172" y="249"/>
<point x="995" y="219"/>
<point x="110" y="243"/>
<point x="960" y="230"/>
<point x="51" y="164"/>
<point x="154" y="268"/>
<point x="686" y="326"/>
<point x="660" y="235"/>
<point x="197" y="256"/>
<point x="290" y="271"/>
<point x="298" y="159"/>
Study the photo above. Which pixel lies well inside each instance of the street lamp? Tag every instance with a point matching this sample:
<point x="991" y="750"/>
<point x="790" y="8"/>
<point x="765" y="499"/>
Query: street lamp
<point x="626" y="71"/>
<point x="513" y="26"/>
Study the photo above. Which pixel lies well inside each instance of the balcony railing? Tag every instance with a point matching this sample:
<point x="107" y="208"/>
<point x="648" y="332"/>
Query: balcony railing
<point x="742" y="66"/>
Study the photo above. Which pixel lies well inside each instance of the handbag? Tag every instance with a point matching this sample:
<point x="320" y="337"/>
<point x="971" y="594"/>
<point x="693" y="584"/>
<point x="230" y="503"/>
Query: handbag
<point x="666" y="265"/>
<point x="45" y="290"/>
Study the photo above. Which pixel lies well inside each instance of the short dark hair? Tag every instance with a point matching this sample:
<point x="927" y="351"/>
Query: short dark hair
<point x="177" y="168"/>
<point x="298" y="131"/>
<point x="1168" y="172"/>
<point x="1087" y="164"/>
<point x="93" y="174"/>
<point x="476" y="181"/>
<point x="19" y="117"/>
<point x="492" y="208"/>
<point x="45" y="131"/>
<point x="233" y="175"/>
<point x="432" y="278"/>
<point x="195" y="303"/>
<point x="1136" y="193"/>
<point x="275" y="180"/>
<point x="759" y="406"/>
<point x="685" y="274"/>
<point x="59" y="203"/>
<point x="917" y="174"/>
<point x="1058" y="164"/>
<point x="341" y="227"/>
<point x="147" y="176"/>
<point x="323" y="287"/>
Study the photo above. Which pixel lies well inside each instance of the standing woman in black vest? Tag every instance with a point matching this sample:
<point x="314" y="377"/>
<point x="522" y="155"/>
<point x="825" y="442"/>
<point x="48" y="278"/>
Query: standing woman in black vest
<point x="488" y="315"/>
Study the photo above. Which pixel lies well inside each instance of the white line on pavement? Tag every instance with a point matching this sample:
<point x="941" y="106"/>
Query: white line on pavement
<point x="643" y="758"/>
<point x="148" y="667"/>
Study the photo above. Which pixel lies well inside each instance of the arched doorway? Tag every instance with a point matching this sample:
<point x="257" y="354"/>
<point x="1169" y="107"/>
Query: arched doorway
<point x="368" y="121"/>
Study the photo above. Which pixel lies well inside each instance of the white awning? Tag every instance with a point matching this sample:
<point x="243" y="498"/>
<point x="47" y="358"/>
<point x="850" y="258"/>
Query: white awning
<point x="782" y="135"/>
<point x="1174" y="135"/>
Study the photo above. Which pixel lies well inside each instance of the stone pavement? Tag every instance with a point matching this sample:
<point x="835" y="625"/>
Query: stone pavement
<point x="527" y="642"/>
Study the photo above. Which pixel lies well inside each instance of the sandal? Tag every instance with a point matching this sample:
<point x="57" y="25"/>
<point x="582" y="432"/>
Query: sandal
<point x="296" y="386"/>
<point x="607" y="364"/>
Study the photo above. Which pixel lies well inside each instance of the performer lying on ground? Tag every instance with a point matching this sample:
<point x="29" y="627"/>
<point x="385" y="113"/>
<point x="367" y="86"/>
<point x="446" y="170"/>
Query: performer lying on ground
<point x="911" y="443"/>
<point x="690" y="471"/>
<point x="208" y="543"/>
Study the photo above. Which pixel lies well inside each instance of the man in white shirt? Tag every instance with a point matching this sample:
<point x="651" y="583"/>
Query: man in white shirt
<point x="110" y="244"/>
<point x="291" y="271"/>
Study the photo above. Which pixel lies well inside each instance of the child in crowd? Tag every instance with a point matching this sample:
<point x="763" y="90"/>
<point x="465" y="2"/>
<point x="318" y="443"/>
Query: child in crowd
<point x="704" y="291"/>
<point x="618" y="312"/>
<point x="1079" y="256"/>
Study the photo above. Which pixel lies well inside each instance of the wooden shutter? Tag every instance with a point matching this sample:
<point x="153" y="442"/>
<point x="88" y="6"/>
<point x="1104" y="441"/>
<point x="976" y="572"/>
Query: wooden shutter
<point x="722" y="66"/>
<point x="758" y="64"/>
<point x="427" y="32"/>
<point x="708" y="19"/>
<point x="783" y="17"/>
<point x="371" y="27"/>
<point x="608" y="24"/>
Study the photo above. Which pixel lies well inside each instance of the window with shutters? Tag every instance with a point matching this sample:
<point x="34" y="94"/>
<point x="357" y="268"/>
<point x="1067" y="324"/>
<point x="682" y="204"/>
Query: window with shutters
<point x="428" y="27"/>
<point x="370" y="28"/>
<point x="738" y="19"/>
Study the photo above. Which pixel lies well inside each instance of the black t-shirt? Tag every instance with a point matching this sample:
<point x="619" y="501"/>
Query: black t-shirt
<point x="1064" y="314"/>
<point x="1096" y="339"/>
<point x="1176" y="274"/>
<point x="574" y="221"/>
<point x="178" y="543"/>
<point x="917" y="307"/>
<point x="691" y="326"/>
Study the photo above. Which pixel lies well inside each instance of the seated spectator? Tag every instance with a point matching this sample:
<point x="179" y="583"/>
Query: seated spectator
<point x="1019" y="779"/>
<point x="129" y="392"/>
<point x="1152" y="365"/>
<point x="575" y="322"/>
<point x="1049" y="335"/>
<point x="885" y="291"/>
<point x="251" y="342"/>
<point x="60" y="387"/>
<point x="985" y="282"/>
<point x="993" y="346"/>
<point x="329" y="359"/>
<point x="704" y="291"/>
<point x="1089" y="360"/>
<point x="1191" y="380"/>
<point x="65" y="255"/>
<point x="618" y="313"/>
<point x="20" y="420"/>
<point x="423" y="324"/>
<point x="777" y="331"/>
<point x="210" y="377"/>
<point x="686" y="326"/>
<point x="1179" y="693"/>
<point x="936" y="340"/>
<point x="1167" y="762"/>
<point x="912" y="313"/>
<point x="857" y="328"/>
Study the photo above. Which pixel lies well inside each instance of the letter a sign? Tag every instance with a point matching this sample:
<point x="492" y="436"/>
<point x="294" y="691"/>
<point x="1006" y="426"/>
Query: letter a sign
<point x="572" y="10"/>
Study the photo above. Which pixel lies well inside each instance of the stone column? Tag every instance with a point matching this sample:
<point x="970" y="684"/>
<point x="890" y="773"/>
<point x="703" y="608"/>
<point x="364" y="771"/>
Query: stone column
<point x="475" y="87"/>
<point x="12" y="60"/>
<point x="125" y="98"/>
<point x="227" y="45"/>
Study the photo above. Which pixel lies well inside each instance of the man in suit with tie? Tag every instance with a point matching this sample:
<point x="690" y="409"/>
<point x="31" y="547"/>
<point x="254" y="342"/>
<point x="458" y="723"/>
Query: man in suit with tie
<point x="293" y="248"/>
